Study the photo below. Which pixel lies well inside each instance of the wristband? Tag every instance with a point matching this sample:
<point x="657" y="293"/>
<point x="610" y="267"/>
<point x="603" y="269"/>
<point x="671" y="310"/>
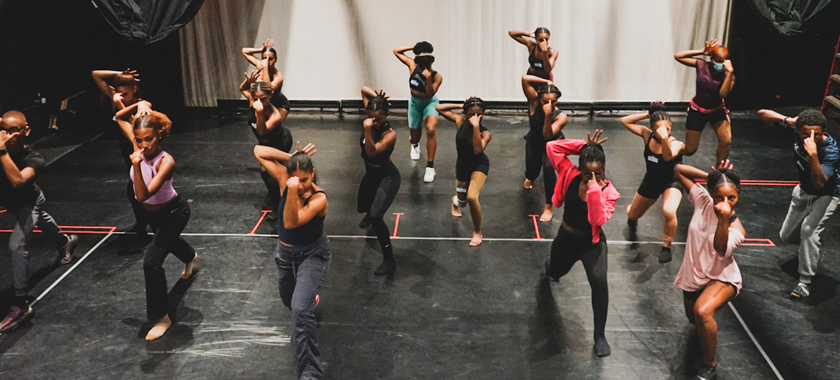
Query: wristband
<point x="3" y="152"/>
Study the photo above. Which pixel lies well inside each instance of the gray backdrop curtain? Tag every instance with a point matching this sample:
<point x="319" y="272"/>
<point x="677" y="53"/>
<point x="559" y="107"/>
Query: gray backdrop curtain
<point x="147" y="21"/>
<point x="327" y="49"/>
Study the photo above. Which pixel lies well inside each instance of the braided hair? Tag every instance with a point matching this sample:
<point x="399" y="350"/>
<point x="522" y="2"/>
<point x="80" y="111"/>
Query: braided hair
<point x="378" y="103"/>
<point x="549" y="89"/>
<point x="592" y="153"/>
<point x="474" y="102"/>
<point x="541" y="30"/>
<point x="657" y="113"/>
<point x="724" y="176"/>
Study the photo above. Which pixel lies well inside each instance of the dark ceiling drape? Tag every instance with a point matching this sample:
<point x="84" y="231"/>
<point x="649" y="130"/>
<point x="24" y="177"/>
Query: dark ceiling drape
<point x="147" y="21"/>
<point x="789" y="17"/>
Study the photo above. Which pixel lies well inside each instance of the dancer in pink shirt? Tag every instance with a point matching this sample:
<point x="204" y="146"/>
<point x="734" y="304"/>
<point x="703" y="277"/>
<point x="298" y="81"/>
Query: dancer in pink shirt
<point x="709" y="276"/>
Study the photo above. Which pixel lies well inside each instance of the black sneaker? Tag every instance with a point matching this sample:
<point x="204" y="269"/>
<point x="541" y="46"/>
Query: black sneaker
<point x="17" y="315"/>
<point x="631" y="230"/>
<point x="548" y="270"/>
<point x="65" y="253"/>
<point x="707" y="373"/>
<point x="602" y="347"/>
<point x="365" y="223"/>
<point x="665" y="255"/>
<point x="386" y="267"/>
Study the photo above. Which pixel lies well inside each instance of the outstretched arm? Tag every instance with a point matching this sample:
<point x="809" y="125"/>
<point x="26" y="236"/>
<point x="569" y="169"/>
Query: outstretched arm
<point x="400" y="53"/>
<point x="631" y="122"/>
<point x="770" y="116"/>
<point x="445" y="110"/>
<point x="686" y="57"/>
<point x="528" y="84"/>
<point x="519" y="36"/>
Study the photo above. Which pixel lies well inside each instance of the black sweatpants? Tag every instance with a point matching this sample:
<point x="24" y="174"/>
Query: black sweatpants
<point x="535" y="160"/>
<point x="168" y="223"/>
<point x="377" y="191"/>
<point x="566" y="250"/>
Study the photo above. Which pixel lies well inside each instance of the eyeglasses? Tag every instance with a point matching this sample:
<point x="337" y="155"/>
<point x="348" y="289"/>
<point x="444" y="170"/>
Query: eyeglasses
<point x="13" y="130"/>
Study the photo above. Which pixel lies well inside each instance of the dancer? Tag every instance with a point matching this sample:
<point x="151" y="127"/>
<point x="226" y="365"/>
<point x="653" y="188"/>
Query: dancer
<point x="124" y="91"/>
<point x="472" y="165"/>
<point x="816" y="196"/>
<point x="268" y="109"/>
<point x="542" y="102"/>
<point x="423" y="83"/>
<point x="21" y="197"/>
<point x="267" y="60"/>
<point x="662" y="154"/>
<point x="167" y="212"/>
<point x="590" y="202"/>
<point x="303" y="249"/>
<point x="541" y="57"/>
<point x="381" y="182"/>
<point x="714" y="82"/>
<point x="709" y="276"/>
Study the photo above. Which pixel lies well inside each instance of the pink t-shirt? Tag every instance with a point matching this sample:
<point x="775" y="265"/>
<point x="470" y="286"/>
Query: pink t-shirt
<point x="701" y="262"/>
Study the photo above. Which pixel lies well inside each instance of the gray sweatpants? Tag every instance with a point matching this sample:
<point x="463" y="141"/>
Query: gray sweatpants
<point x="27" y="218"/>
<point x="805" y="221"/>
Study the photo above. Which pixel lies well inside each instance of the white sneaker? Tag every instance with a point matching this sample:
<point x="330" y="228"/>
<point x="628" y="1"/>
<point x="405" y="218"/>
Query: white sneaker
<point x="415" y="152"/>
<point x="430" y="175"/>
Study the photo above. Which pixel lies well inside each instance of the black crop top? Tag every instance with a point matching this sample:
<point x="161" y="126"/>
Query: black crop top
<point x="576" y="213"/>
<point x="382" y="158"/>
<point x="536" y="122"/>
<point x="305" y="234"/>
<point x="464" y="144"/>
<point x="657" y="166"/>
<point x="536" y="63"/>
<point x="417" y="81"/>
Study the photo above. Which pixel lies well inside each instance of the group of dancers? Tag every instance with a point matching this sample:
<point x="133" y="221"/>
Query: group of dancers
<point x="708" y="275"/>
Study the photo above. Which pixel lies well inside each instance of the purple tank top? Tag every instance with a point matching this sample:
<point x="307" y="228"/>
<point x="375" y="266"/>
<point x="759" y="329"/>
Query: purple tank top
<point x="148" y="167"/>
<point x="709" y="82"/>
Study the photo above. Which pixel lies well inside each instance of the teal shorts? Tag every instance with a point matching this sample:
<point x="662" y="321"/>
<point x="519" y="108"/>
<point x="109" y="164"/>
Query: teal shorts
<point x="420" y="109"/>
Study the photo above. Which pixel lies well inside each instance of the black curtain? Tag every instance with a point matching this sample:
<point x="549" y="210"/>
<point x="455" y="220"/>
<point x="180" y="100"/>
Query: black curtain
<point x="789" y="17"/>
<point x="147" y="21"/>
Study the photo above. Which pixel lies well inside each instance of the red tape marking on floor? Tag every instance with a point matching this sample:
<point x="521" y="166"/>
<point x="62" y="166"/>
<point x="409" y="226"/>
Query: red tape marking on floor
<point x="536" y="226"/>
<point x="397" y="224"/>
<point x="264" y="213"/>
<point x="100" y="230"/>
<point x="758" y="243"/>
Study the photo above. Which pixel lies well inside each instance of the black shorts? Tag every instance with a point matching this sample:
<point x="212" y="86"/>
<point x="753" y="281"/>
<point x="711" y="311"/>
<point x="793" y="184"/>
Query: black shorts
<point x="693" y="296"/>
<point x="652" y="188"/>
<point x="463" y="171"/>
<point x="281" y="140"/>
<point x="696" y="120"/>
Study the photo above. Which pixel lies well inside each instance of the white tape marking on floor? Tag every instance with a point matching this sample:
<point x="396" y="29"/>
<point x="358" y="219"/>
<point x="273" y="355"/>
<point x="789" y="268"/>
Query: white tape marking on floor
<point x="79" y="262"/>
<point x="760" y="349"/>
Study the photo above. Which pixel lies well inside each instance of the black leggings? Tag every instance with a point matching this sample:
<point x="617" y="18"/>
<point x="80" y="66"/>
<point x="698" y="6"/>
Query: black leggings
<point x="566" y="250"/>
<point x="535" y="160"/>
<point x="377" y="191"/>
<point x="168" y="223"/>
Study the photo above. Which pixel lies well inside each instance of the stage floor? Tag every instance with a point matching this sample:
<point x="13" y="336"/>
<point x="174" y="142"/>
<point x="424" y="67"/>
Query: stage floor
<point x="449" y="311"/>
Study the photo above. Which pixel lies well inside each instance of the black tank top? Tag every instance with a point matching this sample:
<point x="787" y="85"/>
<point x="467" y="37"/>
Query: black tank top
<point x="464" y="144"/>
<point x="304" y="234"/>
<point x="575" y="212"/>
<point x="657" y="166"/>
<point x="536" y="122"/>
<point x="382" y="158"/>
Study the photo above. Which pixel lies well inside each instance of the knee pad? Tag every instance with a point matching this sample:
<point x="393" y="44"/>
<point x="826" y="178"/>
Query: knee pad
<point x="456" y="201"/>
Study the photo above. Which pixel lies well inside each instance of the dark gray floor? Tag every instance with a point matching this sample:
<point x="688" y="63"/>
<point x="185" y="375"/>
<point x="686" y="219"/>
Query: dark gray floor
<point x="450" y="311"/>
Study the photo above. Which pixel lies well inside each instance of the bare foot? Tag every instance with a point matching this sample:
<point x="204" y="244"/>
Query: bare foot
<point x="548" y="214"/>
<point x="456" y="211"/>
<point x="528" y="184"/>
<point x="476" y="239"/>
<point x="159" y="328"/>
<point x="189" y="268"/>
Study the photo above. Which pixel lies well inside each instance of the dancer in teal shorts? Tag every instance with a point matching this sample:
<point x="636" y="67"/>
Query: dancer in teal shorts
<point x="424" y="83"/>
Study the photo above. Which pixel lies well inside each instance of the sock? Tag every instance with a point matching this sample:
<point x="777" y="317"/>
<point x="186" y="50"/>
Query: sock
<point x="805" y="279"/>
<point x="430" y="164"/>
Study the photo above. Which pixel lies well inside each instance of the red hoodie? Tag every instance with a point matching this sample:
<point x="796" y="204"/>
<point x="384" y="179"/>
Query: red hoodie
<point x="599" y="202"/>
